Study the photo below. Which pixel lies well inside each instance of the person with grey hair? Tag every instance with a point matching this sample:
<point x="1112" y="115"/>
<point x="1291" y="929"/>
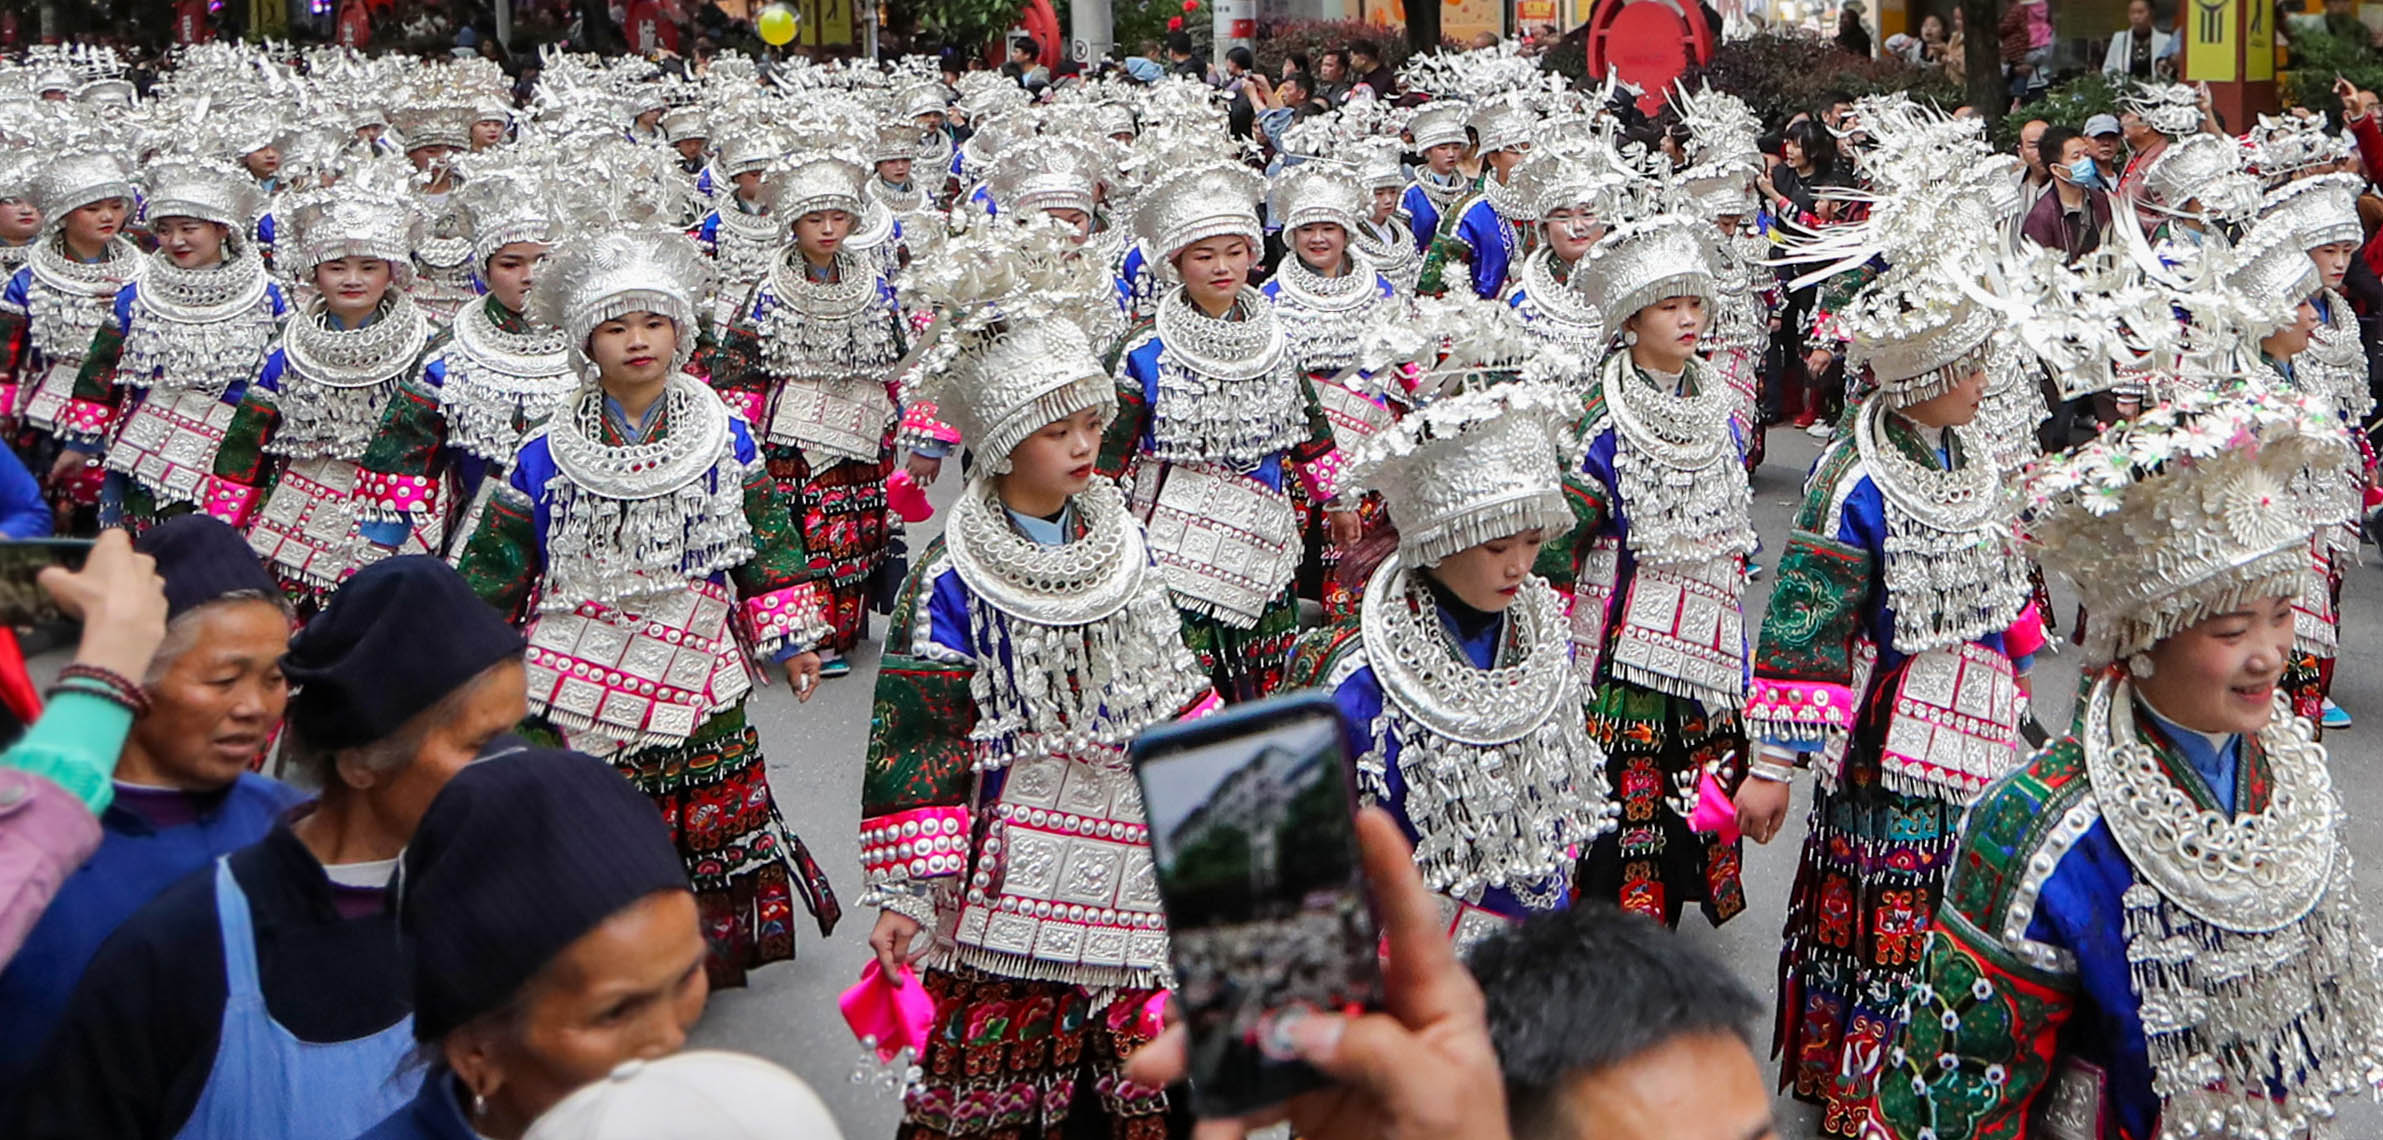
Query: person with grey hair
<point x="268" y="995"/>
<point x="203" y="711"/>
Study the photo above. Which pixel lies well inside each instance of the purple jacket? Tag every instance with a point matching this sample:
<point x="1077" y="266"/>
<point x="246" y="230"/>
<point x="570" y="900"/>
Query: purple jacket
<point x="2052" y="227"/>
<point x="45" y="833"/>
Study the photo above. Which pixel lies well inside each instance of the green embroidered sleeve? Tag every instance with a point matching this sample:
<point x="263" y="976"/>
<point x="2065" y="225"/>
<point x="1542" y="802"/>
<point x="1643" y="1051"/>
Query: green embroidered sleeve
<point x="501" y="559"/>
<point x="1313" y="659"/>
<point x="731" y="361"/>
<point x="1318" y="443"/>
<point x="242" y="457"/>
<point x="96" y="382"/>
<point x="1121" y="441"/>
<point x="412" y="433"/>
<point x="1559" y="559"/>
<point x="779" y="556"/>
<point x="921" y="715"/>
<point x="1446" y="249"/>
<point x="1814" y="618"/>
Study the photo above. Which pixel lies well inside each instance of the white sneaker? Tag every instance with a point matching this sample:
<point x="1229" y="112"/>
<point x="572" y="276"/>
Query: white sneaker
<point x="1822" y="429"/>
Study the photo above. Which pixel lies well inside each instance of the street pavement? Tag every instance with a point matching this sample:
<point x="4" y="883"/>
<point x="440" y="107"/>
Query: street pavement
<point x="789" y="1015"/>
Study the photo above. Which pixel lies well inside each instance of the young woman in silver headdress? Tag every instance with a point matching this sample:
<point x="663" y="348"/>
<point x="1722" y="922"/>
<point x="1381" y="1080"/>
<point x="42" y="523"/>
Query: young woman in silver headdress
<point x="1892" y="662"/>
<point x="1658" y="573"/>
<point x="1041" y="573"/>
<point x="49" y="313"/>
<point x="1454" y="674"/>
<point x="809" y="359"/>
<point x="180" y="347"/>
<point x="2150" y="927"/>
<point x="1334" y="309"/>
<point x="434" y="133"/>
<point x="656" y="568"/>
<point x="289" y="462"/>
<point x="492" y="376"/>
<point x="1214" y="420"/>
<point x="740" y="234"/>
<point x="1563" y="187"/>
<point x="1382" y="234"/>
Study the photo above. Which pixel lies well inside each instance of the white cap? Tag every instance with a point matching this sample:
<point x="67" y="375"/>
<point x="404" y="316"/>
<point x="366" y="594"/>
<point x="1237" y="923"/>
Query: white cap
<point x="700" y="1095"/>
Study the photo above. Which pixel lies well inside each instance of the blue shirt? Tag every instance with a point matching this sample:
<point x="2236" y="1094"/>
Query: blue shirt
<point x="134" y="862"/>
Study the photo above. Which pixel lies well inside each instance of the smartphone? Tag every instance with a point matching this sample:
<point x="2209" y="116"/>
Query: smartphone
<point x="1252" y="832"/>
<point x="22" y="600"/>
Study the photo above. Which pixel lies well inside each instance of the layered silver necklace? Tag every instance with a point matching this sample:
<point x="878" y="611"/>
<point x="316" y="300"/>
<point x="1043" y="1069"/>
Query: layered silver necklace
<point x="1557" y="312"/>
<point x="1392" y="250"/>
<point x="1443" y="195"/>
<point x="197" y="330"/>
<point x="827" y="330"/>
<point x="1079" y="646"/>
<point x="1503" y="198"/>
<point x="70" y="299"/>
<point x="1503" y="786"/>
<point x="743" y="245"/>
<point x="1227" y="390"/>
<point x="1682" y="486"/>
<point x="1951" y="562"/>
<point x="639" y="520"/>
<point x="1324" y="319"/>
<point x="2335" y="360"/>
<point x="2012" y="407"/>
<point x="499" y="383"/>
<point x="2249" y="953"/>
<point x="336" y="381"/>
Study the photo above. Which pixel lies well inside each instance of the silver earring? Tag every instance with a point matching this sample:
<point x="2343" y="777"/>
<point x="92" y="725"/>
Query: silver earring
<point x="479" y="1105"/>
<point x="2138" y="664"/>
<point x="1629" y="337"/>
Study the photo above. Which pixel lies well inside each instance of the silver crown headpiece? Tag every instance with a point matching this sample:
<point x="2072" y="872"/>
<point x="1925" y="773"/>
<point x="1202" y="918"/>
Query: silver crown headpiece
<point x="1643" y="262"/>
<point x="1050" y="173"/>
<point x="813" y="181"/>
<point x="1919" y="334"/>
<point x="2322" y="209"/>
<point x="1195" y="203"/>
<point x="1008" y="353"/>
<point x="75" y="180"/>
<point x="1471" y="468"/>
<point x="1313" y="192"/>
<point x="2203" y="168"/>
<point x="611" y="275"/>
<point x="371" y="211"/>
<point x="208" y="191"/>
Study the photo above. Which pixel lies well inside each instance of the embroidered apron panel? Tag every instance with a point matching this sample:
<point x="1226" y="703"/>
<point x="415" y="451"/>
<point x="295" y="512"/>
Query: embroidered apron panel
<point x="1065" y="875"/>
<point x="647" y="678"/>
<point x="1226" y="543"/>
<point x="48" y="395"/>
<point x="2316" y="626"/>
<point x="1953" y="726"/>
<point x="842" y="418"/>
<point x="307" y="529"/>
<point x="1679" y="628"/>
<point x="168" y="443"/>
<point x="1592" y="601"/>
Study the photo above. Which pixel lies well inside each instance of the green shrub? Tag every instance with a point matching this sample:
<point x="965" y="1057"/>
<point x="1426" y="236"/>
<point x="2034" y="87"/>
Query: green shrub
<point x="1780" y="75"/>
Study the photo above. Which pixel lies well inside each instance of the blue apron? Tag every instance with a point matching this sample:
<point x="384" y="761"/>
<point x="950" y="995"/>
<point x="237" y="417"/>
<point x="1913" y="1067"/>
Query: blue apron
<point x="266" y="1083"/>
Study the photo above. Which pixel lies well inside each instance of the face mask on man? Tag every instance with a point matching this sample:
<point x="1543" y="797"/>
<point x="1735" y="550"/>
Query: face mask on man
<point x="2084" y="173"/>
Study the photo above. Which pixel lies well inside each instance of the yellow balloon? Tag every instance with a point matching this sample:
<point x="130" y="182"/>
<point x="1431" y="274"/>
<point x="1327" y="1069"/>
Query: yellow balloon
<point x="776" y="25"/>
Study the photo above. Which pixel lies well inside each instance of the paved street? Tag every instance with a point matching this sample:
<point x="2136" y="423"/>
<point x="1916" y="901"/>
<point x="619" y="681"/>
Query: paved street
<point x="815" y="751"/>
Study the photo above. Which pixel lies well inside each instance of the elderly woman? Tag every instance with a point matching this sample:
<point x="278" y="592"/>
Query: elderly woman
<point x="203" y="714"/>
<point x="553" y="935"/>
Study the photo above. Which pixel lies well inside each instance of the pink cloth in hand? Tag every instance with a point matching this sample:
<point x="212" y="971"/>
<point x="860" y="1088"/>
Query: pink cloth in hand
<point x="1714" y="811"/>
<point x="907" y="498"/>
<point x="898" y="1014"/>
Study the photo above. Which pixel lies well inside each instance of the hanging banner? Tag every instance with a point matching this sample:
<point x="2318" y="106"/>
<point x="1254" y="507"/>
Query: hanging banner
<point x="2258" y="42"/>
<point x="2209" y="46"/>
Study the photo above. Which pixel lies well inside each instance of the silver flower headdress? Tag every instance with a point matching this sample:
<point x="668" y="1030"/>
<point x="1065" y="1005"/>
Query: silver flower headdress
<point x="2203" y="168"/>
<point x="1008" y="352"/>
<point x="371" y="211"/>
<point x="2321" y="210"/>
<point x="1471" y="468"/>
<point x="1052" y="172"/>
<point x="2192" y="509"/>
<point x="814" y="181"/>
<point x="1313" y="192"/>
<point x="1440" y="121"/>
<point x="208" y="191"/>
<point x="1919" y="334"/>
<point x="2172" y="109"/>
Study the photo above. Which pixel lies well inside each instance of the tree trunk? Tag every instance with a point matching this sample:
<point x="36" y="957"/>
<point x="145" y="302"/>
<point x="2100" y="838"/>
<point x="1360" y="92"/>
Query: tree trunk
<point x="1981" y="54"/>
<point x="1423" y="25"/>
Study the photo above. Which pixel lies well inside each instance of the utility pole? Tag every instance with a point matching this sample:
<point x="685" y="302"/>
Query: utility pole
<point x="1091" y="32"/>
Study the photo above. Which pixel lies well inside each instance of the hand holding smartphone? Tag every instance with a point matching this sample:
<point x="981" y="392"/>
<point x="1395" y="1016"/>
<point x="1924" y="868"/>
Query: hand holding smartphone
<point x="1251" y="816"/>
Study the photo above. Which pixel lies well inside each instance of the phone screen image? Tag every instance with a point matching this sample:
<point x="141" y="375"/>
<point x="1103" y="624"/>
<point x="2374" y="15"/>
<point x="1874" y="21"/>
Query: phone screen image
<point x="22" y="600"/>
<point x="1252" y="834"/>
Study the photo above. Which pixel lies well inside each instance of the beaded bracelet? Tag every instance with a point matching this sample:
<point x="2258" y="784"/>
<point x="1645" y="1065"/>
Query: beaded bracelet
<point x="105" y="682"/>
